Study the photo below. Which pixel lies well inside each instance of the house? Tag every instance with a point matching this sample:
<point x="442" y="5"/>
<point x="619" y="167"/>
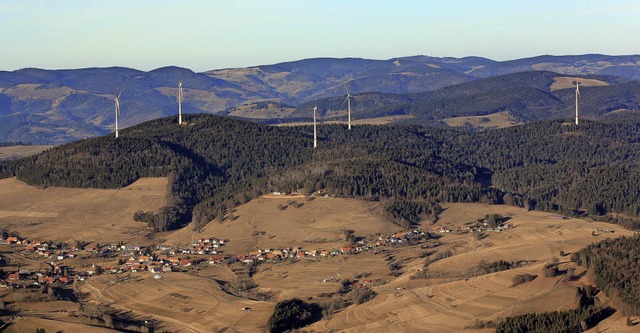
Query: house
<point x="216" y="259"/>
<point x="400" y="235"/>
<point x="13" y="276"/>
<point x="244" y="258"/>
<point x="346" y="249"/>
<point x="155" y="269"/>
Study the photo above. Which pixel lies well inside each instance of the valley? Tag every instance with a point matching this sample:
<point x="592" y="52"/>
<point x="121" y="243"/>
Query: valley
<point x="210" y="297"/>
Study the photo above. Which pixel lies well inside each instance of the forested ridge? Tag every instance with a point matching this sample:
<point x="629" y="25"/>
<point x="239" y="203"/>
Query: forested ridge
<point x="215" y="163"/>
<point x="525" y="96"/>
<point x="615" y="267"/>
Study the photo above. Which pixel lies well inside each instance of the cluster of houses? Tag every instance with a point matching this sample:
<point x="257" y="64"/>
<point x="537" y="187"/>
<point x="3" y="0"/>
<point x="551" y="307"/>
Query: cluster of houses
<point x="275" y="255"/>
<point x="470" y="228"/>
<point x="164" y="259"/>
<point x="49" y="274"/>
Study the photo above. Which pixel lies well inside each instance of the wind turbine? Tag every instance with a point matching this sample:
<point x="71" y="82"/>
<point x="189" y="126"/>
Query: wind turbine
<point x="577" y="95"/>
<point x="117" y="100"/>
<point x="180" y="97"/>
<point x="348" y="100"/>
<point x="315" y="133"/>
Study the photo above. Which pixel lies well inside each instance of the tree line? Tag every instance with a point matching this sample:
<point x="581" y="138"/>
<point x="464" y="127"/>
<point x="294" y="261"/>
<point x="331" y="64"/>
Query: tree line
<point x="615" y="267"/>
<point x="215" y="163"/>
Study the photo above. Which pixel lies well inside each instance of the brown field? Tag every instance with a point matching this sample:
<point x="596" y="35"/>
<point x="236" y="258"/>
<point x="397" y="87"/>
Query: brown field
<point x="368" y="121"/>
<point x="32" y="91"/>
<point x="53" y="323"/>
<point x="252" y="111"/>
<point x="14" y="152"/>
<point x="494" y="120"/>
<point x="440" y="306"/>
<point x="316" y="224"/>
<point x="66" y="215"/>
<point x="566" y="82"/>
<point x="207" y="100"/>
<point x="194" y="301"/>
<point x="182" y="302"/>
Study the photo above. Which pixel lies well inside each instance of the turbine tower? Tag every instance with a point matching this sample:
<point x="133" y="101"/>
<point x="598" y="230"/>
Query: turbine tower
<point x="180" y="97"/>
<point x="117" y="100"/>
<point x="315" y="133"/>
<point x="577" y="95"/>
<point x="348" y="100"/>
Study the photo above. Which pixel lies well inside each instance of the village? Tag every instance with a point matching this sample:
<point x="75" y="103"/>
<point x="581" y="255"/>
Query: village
<point x="56" y="258"/>
<point x="56" y="267"/>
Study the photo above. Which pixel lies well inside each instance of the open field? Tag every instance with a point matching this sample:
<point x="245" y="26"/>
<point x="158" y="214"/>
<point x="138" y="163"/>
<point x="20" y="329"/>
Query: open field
<point x="66" y="215"/>
<point x="446" y="305"/>
<point x="182" y="302"/>
<point x="569" y="82"/>
<point x="261" y="223"/>
<point x="14" y="152"/>
<point x="53" y="324"/>
<point x="494" y="120"/>
<point x="368" y="121"/>
<point x="261" y="111"/>
<point x="207" y="100"/>
<point x="448" y="300"/>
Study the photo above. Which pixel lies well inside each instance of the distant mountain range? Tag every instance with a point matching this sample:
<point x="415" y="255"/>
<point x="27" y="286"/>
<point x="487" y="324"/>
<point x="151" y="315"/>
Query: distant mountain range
<point x="58" y="106"/>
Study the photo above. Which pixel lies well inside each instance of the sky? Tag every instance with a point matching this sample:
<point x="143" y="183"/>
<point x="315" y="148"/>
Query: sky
<point x="214" y="34"/>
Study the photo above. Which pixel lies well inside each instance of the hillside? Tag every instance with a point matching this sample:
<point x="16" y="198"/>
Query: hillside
<point x="589" y="169"/>
<point x="518" y="98"/>
<point x="60" y="106"/>
<point x="203" y="296"/>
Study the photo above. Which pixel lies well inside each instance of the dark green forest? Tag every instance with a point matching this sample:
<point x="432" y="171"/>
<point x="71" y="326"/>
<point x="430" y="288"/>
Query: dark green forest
<point x="615" y="266"/>
<point x="569" y="321"/>
<point x="216" y="163"/>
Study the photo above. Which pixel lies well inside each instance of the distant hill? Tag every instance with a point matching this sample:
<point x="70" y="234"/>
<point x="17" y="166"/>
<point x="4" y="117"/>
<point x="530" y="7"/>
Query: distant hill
<point x="522" y="97"/>
<point x="59" y="106"/>
<point x="216" y="163"/>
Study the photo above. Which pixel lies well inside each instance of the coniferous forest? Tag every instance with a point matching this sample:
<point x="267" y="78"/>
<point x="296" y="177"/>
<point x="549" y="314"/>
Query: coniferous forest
<point x="214" y="164"/>
<point x="615" y="267"/>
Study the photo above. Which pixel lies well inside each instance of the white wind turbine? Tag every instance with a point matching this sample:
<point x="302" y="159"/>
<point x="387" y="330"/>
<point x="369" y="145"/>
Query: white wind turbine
<point x="180" y="97"/>
<point x="315" y="133"/>
<point x="577" y="95"/>
<point x="117" y="100"/>
<point x="348" y="100"/>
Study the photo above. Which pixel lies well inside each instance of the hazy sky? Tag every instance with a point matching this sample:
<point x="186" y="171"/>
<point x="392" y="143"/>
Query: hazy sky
<point x="213" y="34"/>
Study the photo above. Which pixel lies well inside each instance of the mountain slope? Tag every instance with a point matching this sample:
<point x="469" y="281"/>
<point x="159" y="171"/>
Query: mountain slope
<point x="211" y="167"/>
<point x="523" y="97"/>
<point x="58" y="106"/>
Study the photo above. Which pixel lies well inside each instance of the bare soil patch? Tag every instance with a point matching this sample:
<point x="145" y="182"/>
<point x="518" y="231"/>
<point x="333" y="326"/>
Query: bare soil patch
<point x="494" y="120"/>
<point x="66" y="215"/>
<point x="368" y="121"/>
<point x="15" y="152"/>
<point x="566" y="82"/>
